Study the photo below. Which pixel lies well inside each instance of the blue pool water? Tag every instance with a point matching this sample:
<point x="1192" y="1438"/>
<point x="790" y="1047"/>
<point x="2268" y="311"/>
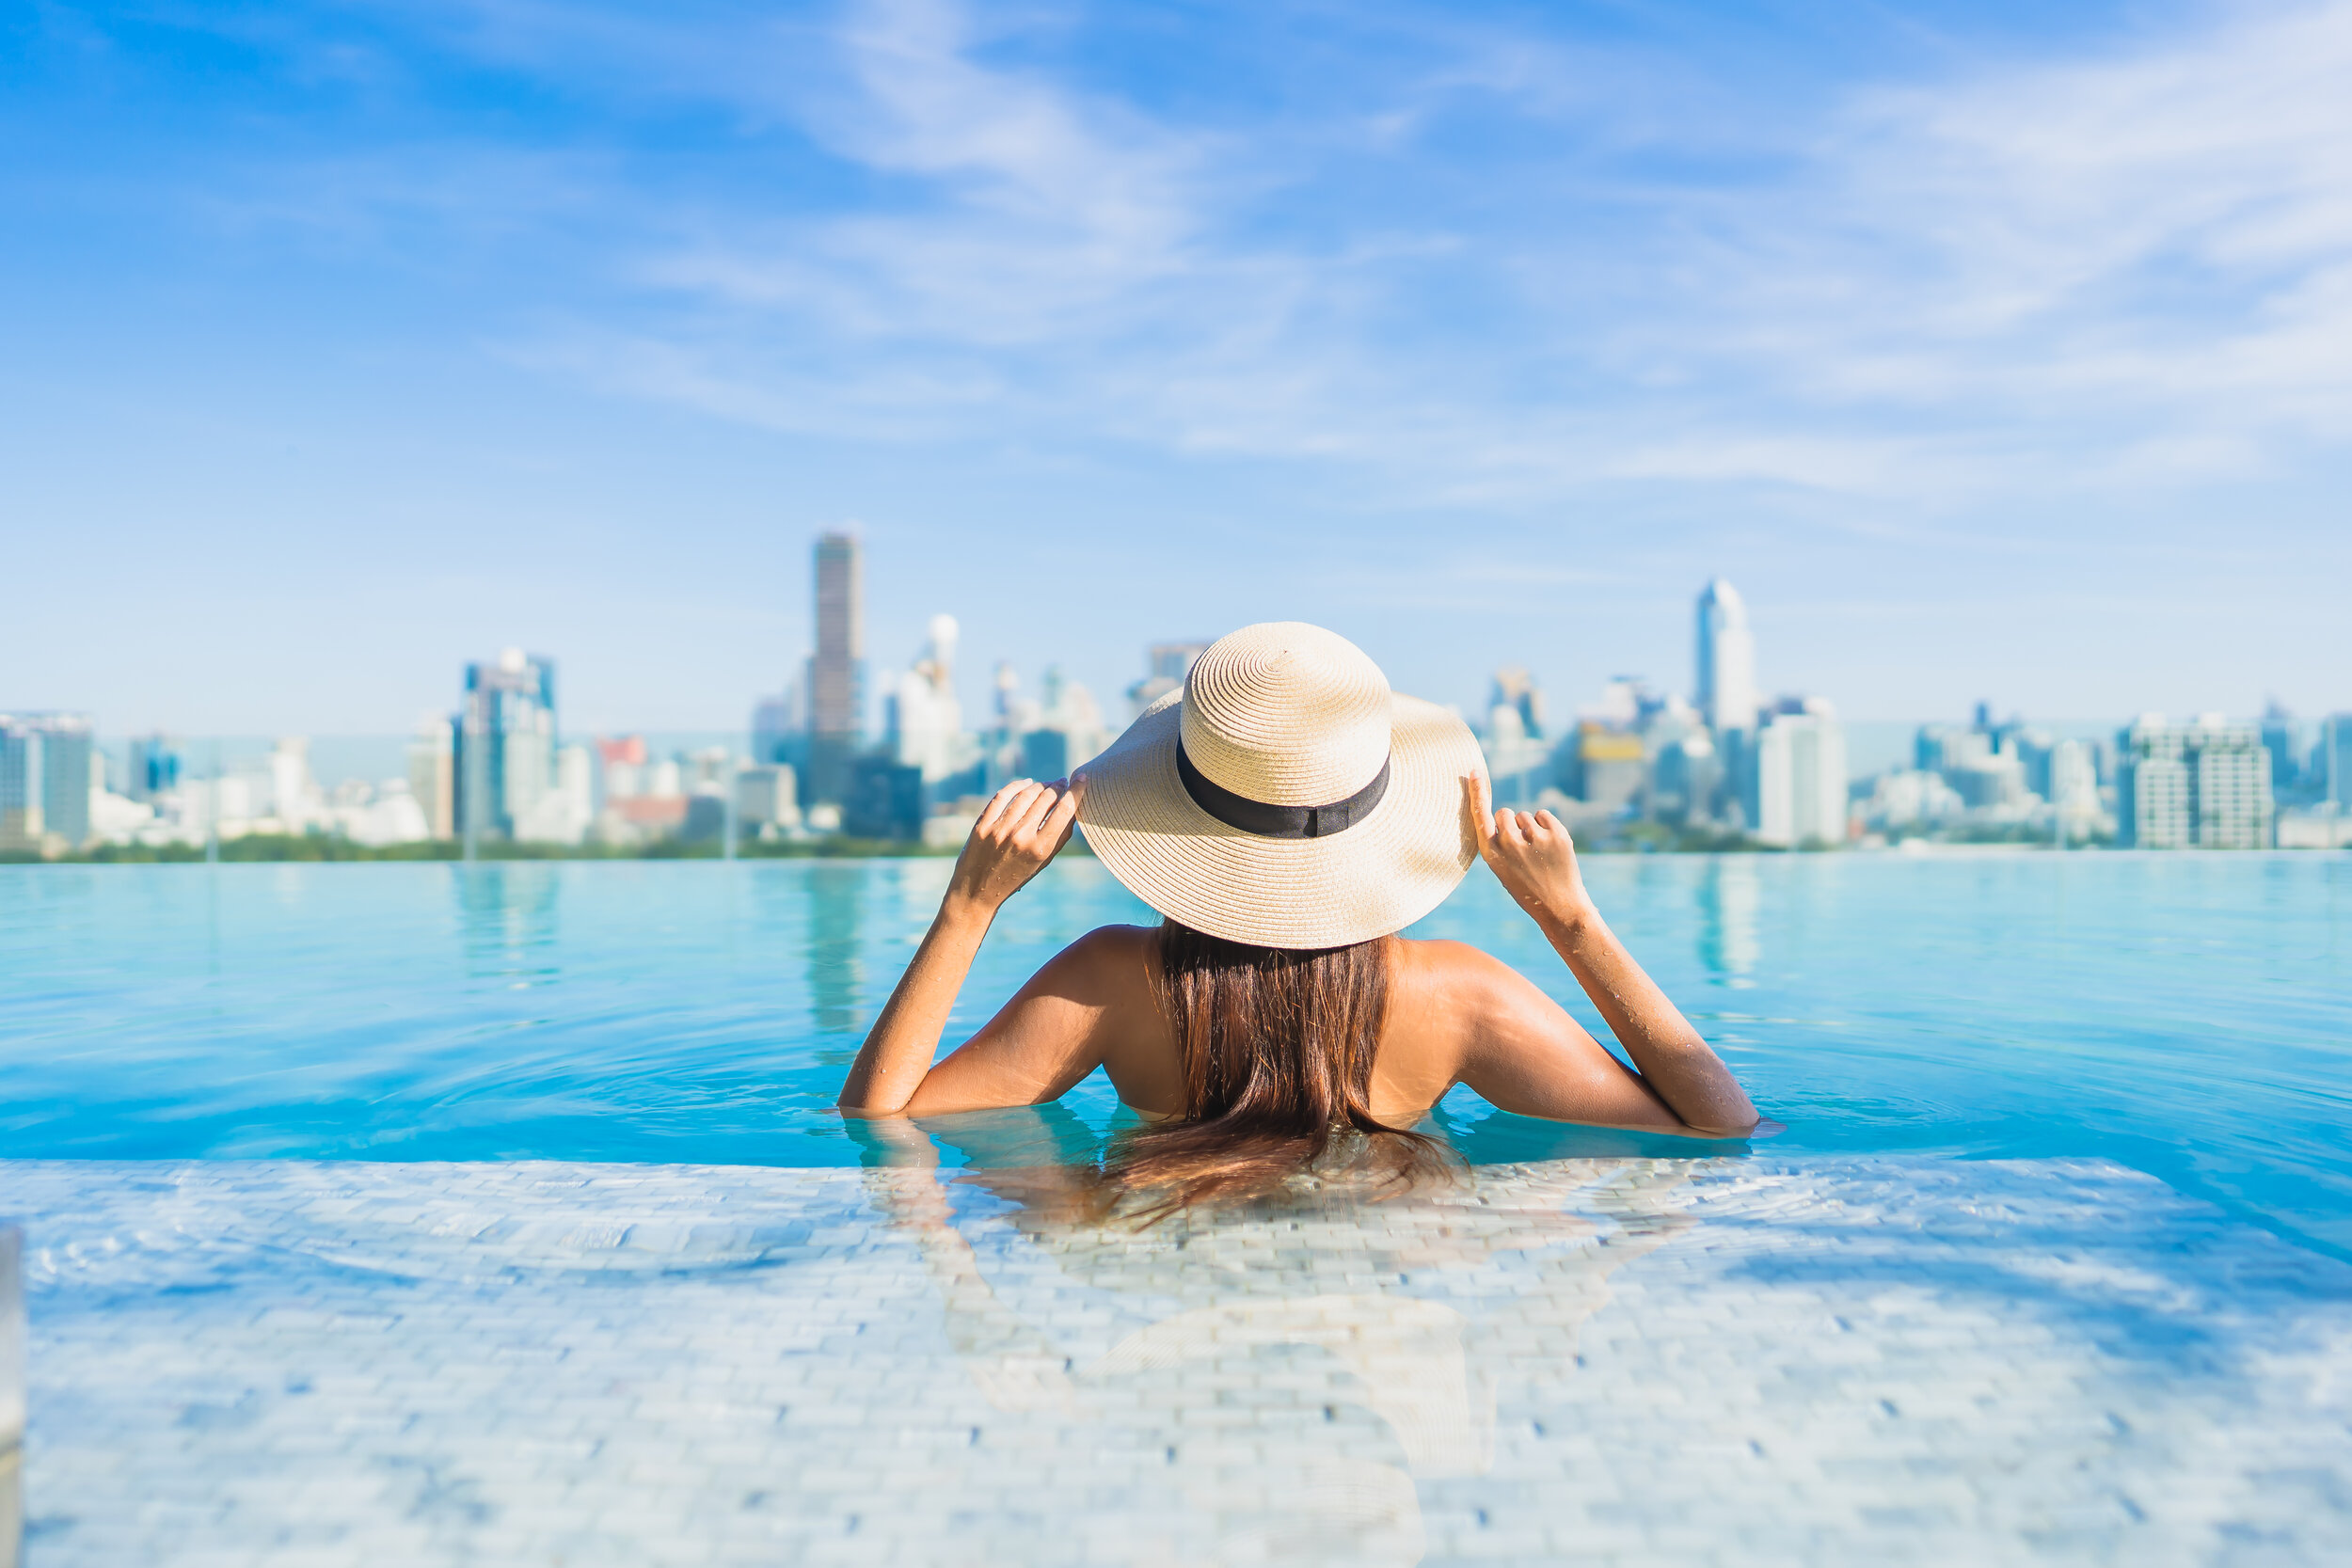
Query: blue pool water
<point x="2191" y="1016"/>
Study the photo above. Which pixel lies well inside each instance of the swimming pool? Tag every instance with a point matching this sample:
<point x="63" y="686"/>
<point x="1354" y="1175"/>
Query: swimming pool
<point x="2189" y="1016"/>
<point x="428" y="1214"/>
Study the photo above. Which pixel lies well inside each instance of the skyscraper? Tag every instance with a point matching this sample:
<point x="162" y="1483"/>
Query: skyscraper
<point x="2282" y="738"/>
<point x="2205" y="785"/>
<point x="2234" y="801"/>
<point x="1514" y="688"/>
<point x="45" y="778"/>
<point x="1727" y="660"/>
<point x="73" y="737"/>
<point x="2334" y="761"/>
<point x="21" y="818"/>
<point x="2073" y="793"/>
<point x="2152" y="788"/>
<point x="922" y="718"/>
<point x="1168" y="662"/>
<point x="433" y="775"/>
<point x="780" y="726"/>
<point x="1801" y="777"/>
<point x="835" y="670"/>
<point x="505" y="742"/>
<point x="153" y="767"/>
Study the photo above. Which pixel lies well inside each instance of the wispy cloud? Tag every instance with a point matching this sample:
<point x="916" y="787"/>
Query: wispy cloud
<point x="1545" y="314"/>
<point x="2128" y="267"/>
<point x="2110" y="270"/>
<point x="2157" y="245"/>
<point x="1017" y="213"/>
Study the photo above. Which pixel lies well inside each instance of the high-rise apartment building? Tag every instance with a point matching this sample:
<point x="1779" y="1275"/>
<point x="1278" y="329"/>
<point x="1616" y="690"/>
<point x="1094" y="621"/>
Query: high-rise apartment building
<point x="767" y="800"/>
<point x="1727" y="660"/>
<point x="1686" y="778"/>
<point x="2204" y="784"/>
<point x="20" y="816"/>
<point x="1513" y="737"/>
<point x="1801" y="777"/>
<point x="836" y="698"/>
<point x="2234" y="801"/>
<point x="1167" y="664"/>
<point x="922" y="717"/>
<point x="1515" y="689"/>
<point x="2282" y="738"/>
<point x="2334" y="765"/>
<point x="780" y="727"/>
<point x="45" y="778"/>
<point x="1606" y="767"/>
<point x="2074" y="792"/>
<point x="153" y="767"/>
<point x="2152" y="800"/>
<point x="66" y="774"/>
<point x="504" y="752"/>
<point x="433" y="775"/>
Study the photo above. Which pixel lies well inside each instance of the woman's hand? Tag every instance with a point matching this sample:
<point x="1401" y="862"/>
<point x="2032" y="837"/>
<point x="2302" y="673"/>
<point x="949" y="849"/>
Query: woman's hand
<point x="1019" y="831"/>
<point x="1533" y="858"/>
<point x="1022" y="828"/>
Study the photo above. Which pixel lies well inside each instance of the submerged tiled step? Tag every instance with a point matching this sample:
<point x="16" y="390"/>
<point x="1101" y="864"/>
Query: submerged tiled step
<point x="1821" y="1360"/>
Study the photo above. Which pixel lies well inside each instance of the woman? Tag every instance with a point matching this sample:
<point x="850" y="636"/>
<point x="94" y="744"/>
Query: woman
<point x="1287" y="815"/>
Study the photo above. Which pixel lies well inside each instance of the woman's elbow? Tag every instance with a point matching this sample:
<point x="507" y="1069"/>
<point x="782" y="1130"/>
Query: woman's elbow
<point x="859" y="1102"/>
<point x="1727" y="1122"/>
<point x="1719" y="1133"/>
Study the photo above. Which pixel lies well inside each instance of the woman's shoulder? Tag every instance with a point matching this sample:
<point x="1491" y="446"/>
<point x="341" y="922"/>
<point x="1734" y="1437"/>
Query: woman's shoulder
<point x="1444" y="955"/>
<point x="1458" y="969"/>
<point x="1116" y="942"/>
<point x="1114" y="953"/>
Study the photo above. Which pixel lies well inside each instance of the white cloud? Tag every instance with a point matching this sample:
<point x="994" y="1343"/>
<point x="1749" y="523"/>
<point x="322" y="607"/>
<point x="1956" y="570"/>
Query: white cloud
<point x="2128" y="269"/>
<point x="2164" y="235"/>
<point x="1024" y="213"/>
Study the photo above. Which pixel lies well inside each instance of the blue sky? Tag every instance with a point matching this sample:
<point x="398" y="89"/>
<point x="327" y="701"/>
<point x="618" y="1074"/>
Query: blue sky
<point x="1990" y="355"/>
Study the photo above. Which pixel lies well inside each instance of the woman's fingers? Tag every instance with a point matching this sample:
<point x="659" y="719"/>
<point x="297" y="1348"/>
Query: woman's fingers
<point x="1021" y="812"/>
<point x="1025" y="809"/>
<point x="1481" y="813"/>
<point x="998" y="806"/>
<point x="1058" y="821"/>
<point x="1046" y="802"/>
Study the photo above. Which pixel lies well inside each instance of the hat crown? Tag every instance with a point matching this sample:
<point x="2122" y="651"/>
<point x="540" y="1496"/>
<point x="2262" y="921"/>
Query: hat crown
<point x="1287" y="714"/>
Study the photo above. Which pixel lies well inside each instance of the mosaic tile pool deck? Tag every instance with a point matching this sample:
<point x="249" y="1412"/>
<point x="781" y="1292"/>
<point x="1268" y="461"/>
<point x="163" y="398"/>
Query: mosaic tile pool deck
<point x="1862" y="1360"/>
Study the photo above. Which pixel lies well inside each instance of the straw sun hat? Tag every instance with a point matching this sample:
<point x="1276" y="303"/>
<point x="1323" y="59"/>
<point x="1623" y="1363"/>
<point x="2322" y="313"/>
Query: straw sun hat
<point x="1285" y="797"/>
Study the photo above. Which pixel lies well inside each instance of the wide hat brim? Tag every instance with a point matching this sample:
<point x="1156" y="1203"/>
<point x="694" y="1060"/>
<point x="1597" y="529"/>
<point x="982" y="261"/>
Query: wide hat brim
<point x="1378" y="876"/>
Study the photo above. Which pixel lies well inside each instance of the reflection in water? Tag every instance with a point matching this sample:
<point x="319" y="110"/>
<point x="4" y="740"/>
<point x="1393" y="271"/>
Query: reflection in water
<point x="836" y="922"/>
<point x="1286" y="1376"/>
<point x="1728" y="896"/>
<point x="507" y="913"/>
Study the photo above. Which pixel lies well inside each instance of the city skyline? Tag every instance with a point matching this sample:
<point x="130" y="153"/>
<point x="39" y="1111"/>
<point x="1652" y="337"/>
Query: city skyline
<point x="973" y="684"/>
<point x="1722" y="768"/>
<point x="851" y="669"/>
<point x="1992" y="351"/>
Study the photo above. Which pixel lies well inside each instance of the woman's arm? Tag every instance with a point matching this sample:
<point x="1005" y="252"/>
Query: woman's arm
<point x="1535" y="859"/>
<point x="1022" y="828"/>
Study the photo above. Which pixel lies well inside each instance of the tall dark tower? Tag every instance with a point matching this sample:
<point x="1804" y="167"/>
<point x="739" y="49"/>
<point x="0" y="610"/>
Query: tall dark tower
<point x="835" y="671"/>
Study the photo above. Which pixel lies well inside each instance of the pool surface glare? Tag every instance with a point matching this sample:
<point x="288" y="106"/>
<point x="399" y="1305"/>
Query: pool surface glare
<point x="396" y="1214"/>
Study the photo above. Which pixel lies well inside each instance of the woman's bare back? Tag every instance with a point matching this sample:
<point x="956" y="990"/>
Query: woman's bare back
<point x="1454" y="1014"/>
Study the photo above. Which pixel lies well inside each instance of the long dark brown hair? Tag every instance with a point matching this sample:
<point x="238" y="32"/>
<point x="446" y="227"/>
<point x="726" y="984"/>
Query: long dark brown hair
<point x="1277" y="1050"/>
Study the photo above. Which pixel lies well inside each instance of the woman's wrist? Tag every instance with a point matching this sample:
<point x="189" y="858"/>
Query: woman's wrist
<point x="967" y="911"/>
<point x="1568" y="919"/>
